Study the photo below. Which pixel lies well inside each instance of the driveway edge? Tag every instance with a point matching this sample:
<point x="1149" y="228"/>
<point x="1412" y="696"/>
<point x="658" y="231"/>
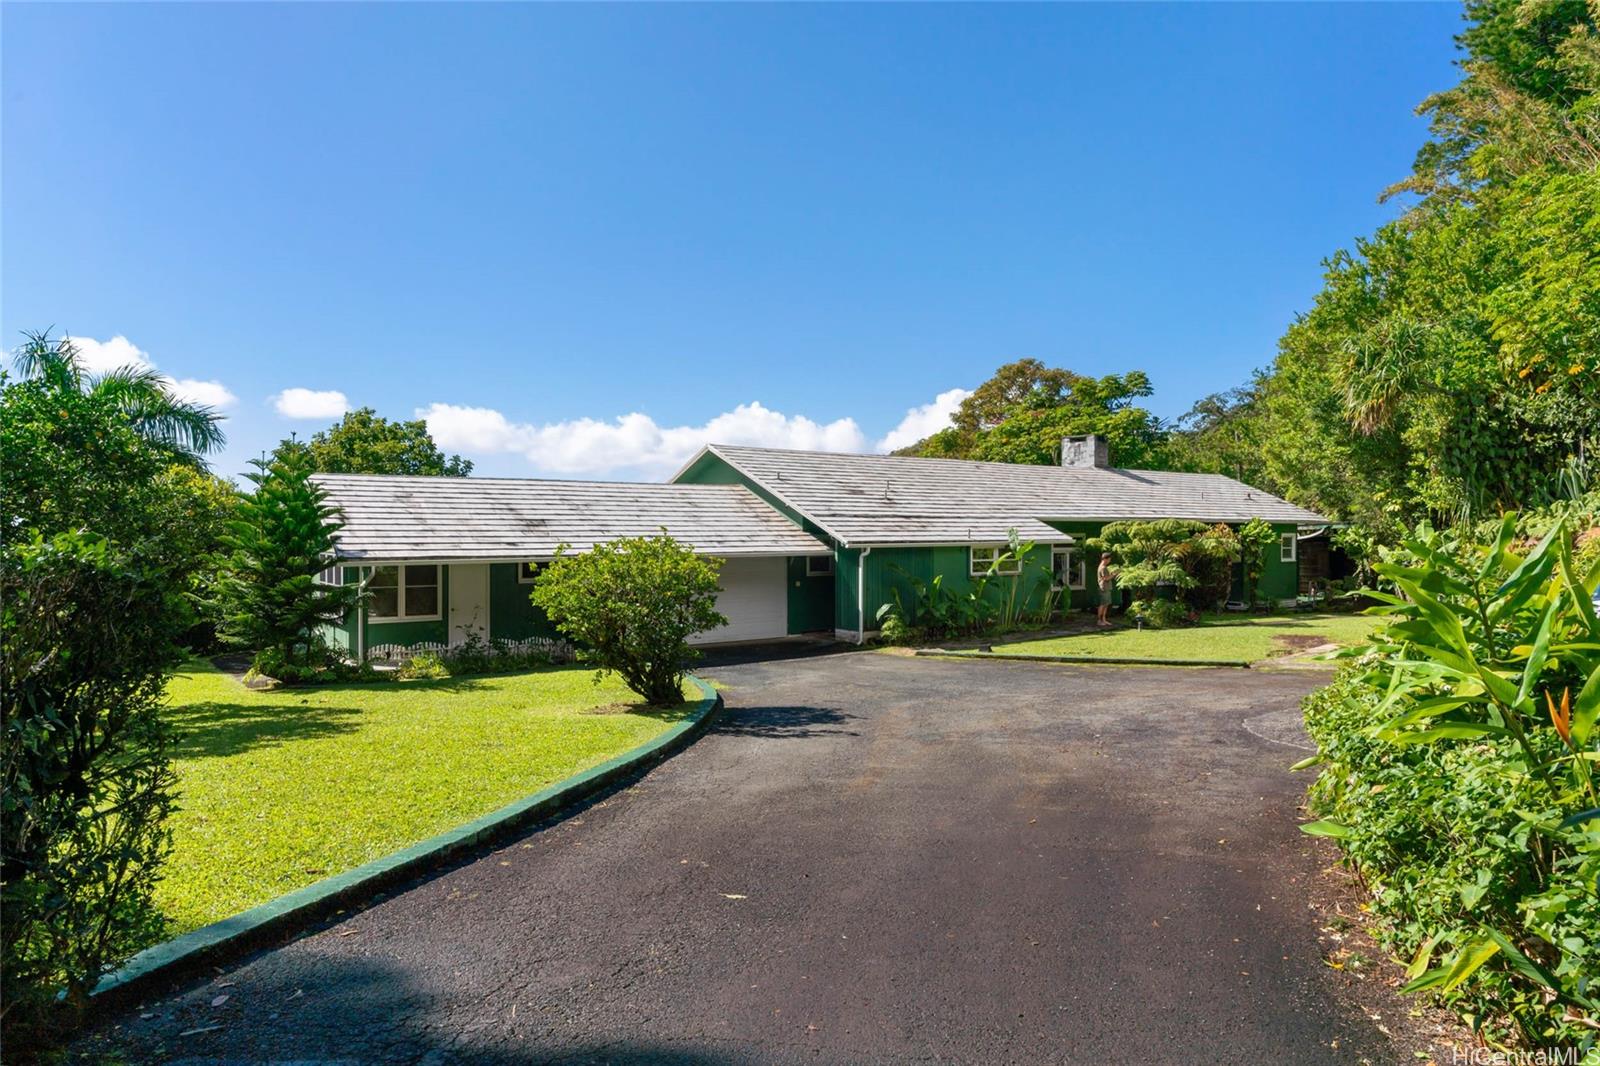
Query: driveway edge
<point x="247" y="930"/>
<point x="1082" y="660"/>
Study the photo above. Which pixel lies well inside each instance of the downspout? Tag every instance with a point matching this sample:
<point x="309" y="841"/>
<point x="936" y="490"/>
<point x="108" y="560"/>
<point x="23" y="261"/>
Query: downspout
<point x="861" y="594"/>
<point x="361" y="621"/>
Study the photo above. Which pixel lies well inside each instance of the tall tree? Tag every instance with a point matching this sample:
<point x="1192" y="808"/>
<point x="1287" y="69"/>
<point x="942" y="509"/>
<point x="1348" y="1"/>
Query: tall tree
<point x="145" y="398"/>
<point x="1223" y="434"/>
<point x="1021" y="414"/>
<point x="1450" y="367"/>
<point x="364" y="443"/>
<point x="282" y="538"/>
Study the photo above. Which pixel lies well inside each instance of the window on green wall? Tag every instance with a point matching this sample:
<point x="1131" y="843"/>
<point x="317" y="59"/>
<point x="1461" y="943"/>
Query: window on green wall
<point x="528" y="573"/>
<point x="983" y="558"/>
<point x="819" y="566"/>
<point x="403" y="593"/>
<point x="1066" y="568"/>
<point x="1287" y="545"/>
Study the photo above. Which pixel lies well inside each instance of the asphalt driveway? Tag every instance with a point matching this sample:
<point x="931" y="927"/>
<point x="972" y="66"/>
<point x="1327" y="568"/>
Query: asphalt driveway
<point x="869" y="859"/>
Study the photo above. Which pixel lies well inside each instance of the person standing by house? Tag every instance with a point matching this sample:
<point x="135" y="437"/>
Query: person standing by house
<point x="1107" y="577"/>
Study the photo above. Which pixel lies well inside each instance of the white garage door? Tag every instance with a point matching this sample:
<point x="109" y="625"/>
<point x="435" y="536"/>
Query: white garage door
<point x="755" y="599"/>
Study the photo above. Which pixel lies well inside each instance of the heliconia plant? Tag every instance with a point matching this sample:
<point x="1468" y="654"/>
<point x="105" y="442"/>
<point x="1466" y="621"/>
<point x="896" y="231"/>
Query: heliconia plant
<point x="1491" y="655"/>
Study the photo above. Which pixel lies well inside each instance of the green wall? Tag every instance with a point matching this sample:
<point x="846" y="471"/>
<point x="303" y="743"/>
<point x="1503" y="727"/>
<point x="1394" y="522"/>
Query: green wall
<point x="512" y="615"/>
<point x="889" y="570"/>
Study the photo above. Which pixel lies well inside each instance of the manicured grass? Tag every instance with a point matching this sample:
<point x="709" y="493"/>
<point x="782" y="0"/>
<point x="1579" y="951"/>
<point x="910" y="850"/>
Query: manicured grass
<point x="1246" y="637"/>
<point x="279" y="789"/>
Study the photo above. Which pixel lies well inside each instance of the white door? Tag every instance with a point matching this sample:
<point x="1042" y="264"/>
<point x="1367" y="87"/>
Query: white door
<point x="755" y="599"/>
<point x="469" y="602"/>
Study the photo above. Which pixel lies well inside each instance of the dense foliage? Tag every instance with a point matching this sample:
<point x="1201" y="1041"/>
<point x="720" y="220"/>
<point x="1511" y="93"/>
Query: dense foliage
<point x="362" y="442"/>
<point x="1006" y="595"/>
<point x="93" y="575"/>
<point x="1459" y="759"/>
<point x="1450" y="367"/>
<point x="632" y="605"/>
<point x="1021" y="414"/>
<point x="1192" y="559"/>
<point x="280" y="540"/>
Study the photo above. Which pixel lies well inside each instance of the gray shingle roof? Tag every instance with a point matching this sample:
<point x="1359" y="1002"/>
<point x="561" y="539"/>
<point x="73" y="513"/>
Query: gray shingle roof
<point x="886" y="499"/>
<point x="489" y="519"/>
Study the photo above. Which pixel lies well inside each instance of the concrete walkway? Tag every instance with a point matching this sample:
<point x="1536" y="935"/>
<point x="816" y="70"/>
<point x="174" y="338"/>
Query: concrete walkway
<point x="870" y="859"/>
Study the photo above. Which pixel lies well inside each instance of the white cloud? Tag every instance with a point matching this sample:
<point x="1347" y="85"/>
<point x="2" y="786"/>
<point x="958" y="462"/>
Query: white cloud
<point x="210" y="393"/>
<point x="310" y="403"/>
<point x="100" y="357"/>
<point x="921" y="421"/>
<point x="632" y="442"/>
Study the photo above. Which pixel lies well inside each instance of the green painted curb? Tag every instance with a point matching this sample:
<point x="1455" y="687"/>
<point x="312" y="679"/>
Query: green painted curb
<point x="1104" y="660"/>
<point x="259" y="925"/>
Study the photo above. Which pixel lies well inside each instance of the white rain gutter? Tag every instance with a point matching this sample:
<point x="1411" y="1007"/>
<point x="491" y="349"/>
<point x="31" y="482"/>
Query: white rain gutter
<point x="861" y="594"/>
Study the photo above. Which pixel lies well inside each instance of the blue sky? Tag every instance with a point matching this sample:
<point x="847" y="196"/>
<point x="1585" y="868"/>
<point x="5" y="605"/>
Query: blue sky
<point x="584" y="240"/>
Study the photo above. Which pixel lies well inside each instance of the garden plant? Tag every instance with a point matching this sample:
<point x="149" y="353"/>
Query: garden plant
<point x="1459" y="759"/>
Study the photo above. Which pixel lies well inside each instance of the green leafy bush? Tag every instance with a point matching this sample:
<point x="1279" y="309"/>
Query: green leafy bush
<point x="1458" y="776"/>
<point x="97" y="564"/>
<point x="89" y="634"/>
<point x="1159" y="614"/>
<point x="1192" y="558"/>
<point x="428" y="665"/>
<point x="632" y="605"/>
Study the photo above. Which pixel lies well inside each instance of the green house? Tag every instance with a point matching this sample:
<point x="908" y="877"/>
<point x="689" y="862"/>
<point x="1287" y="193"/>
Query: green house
<point x="810" y="542"/>
<point x="890" y="519"/>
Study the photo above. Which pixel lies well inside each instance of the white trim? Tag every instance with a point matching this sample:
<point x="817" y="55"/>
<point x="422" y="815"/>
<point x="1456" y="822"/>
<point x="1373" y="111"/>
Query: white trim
<point x="462" y="560"/>
<point x="521" y="568"/>
<point x="812" y="572"/>
<point x="999" y="549"/>
<point x="1288" y="548"/>
<point x="400" y="595"/>
<point x="1080" y="567"/>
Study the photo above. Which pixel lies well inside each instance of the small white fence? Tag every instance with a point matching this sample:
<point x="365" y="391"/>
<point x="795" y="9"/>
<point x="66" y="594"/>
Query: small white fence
<point x="559" y="651"/>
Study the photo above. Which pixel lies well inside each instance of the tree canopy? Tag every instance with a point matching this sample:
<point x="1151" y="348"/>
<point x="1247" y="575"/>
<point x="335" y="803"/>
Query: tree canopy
<point x="1021" y="413"/>
<point x="363" y="442"/>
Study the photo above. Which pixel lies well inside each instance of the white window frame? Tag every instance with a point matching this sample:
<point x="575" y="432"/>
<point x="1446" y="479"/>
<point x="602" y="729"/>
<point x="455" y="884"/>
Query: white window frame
<point x="400" y="594"/>
<point x="1075" y="568"/>
<point x="1288" y="547"/>
<point x="333" y="575"/>
<point x="523" y="577"/>
<point x="993" y="552"/>
<point x="812" y="562"/>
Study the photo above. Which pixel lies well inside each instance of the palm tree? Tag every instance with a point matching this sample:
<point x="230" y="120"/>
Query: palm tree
<point x="189" y="430"/>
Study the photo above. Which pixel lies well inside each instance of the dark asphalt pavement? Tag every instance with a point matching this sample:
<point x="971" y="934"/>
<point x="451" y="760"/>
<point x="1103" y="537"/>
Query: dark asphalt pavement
<point x="869" y="859"/>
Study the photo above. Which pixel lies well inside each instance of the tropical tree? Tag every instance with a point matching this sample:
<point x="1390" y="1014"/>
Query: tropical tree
<point x="95" y="558"/>
<point x="189" y="431"/>
<point x="281" y="539"/>
<point x="364" y="443"/>
<point x="1021" y="414"/>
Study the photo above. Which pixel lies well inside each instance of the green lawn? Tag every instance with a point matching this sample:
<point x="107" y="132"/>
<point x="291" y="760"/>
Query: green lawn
<point x="1246" y="637"/>
<point x="279" y="789"/>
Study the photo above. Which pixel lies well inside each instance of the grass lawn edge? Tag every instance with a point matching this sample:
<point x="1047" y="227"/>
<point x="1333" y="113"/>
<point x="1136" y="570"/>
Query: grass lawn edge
<point x="1080" y="660"/>
<point x="252" y="928"/>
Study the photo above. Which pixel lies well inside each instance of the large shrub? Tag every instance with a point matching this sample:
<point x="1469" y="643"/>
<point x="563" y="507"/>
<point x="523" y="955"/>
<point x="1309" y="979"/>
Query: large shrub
<point x="632" y="605"/>
<point x="281" y="539"/>
<point x="1459" y="763"/>
<point x="1193" y="559"/>
<point x="93" y="574"/>
<point x="89" y="634"/>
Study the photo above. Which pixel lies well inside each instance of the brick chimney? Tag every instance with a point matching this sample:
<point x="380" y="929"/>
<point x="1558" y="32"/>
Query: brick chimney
<point x="1087" y="450"/>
